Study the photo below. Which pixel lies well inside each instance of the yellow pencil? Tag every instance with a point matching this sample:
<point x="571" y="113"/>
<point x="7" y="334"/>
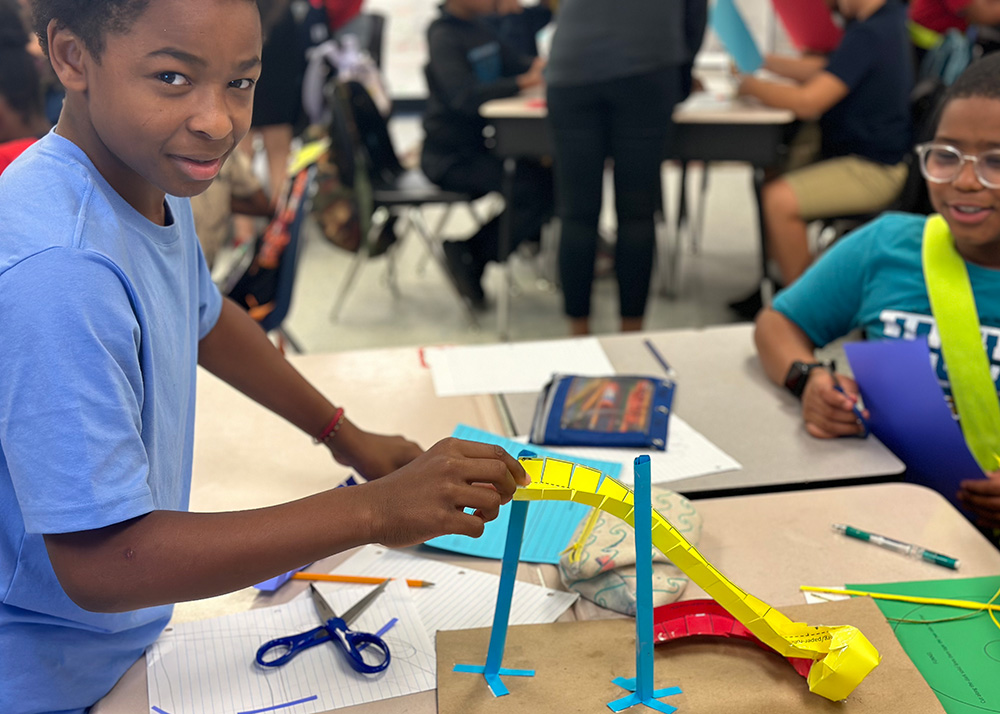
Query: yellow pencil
<point x="362" y="579"/>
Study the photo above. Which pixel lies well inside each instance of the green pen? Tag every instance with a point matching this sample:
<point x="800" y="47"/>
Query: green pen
<point x="899" y="546"/>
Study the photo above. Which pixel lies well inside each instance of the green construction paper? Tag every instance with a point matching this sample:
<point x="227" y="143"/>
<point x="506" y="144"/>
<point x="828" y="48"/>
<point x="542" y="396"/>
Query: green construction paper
<point x="960" y="660"/>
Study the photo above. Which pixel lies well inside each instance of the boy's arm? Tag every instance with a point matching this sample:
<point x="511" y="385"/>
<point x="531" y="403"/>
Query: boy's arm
<point x="800" y="69"/>
<point x="453" y="76"/>
<point x="238" y="352"/>
<point x="827" y="412"/>
<point x="808" y="101"/>
<point x="172" y="556"/>
<point x="982" y="497"/>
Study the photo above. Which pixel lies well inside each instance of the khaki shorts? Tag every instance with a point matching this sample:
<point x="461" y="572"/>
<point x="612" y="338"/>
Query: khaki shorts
<point x="845" y="186"/>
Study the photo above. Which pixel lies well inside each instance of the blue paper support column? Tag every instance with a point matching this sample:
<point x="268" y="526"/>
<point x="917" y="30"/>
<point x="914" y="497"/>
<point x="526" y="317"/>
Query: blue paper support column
<point x="501" y="617"/>
<point x="642" y="685"/>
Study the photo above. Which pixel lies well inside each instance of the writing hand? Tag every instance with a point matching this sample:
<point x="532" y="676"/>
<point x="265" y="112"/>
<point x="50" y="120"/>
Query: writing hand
<point x="428" y="497"/>
<point x="982" y="498"/>
<point x="827" y="412"/>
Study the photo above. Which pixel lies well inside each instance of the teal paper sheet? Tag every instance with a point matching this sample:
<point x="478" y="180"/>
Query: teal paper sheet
<point x="550" y="524"/>
<point x="959" y="659"/>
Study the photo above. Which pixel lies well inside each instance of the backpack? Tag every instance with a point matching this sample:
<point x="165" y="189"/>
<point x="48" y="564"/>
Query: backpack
<point x="257" y="289"/>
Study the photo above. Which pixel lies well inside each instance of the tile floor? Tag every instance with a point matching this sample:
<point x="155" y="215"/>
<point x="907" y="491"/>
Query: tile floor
<point x="724" y="267"/>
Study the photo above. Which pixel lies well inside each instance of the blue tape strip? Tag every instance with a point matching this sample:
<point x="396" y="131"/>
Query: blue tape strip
<point x="158" y="710"/>
<point x="281" y="706"/>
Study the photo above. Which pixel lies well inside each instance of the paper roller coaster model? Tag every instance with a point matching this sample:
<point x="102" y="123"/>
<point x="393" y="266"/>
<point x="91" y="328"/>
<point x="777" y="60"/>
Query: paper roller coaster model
<point x="842" y="656"/>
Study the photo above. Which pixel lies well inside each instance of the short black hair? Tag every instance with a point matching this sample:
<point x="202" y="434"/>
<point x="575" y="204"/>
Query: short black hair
<point x="980" y="79"/>
<point x="20" y="83"/>
<point x="90" y="20"/>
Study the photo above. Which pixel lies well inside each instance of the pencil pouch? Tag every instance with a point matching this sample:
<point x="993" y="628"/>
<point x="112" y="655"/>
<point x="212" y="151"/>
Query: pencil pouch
<point x="600" y="561"/>
<point x="621" y="410"/>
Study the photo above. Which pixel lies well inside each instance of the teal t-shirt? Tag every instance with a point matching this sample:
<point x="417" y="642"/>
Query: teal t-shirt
<point x="873" y="280"/>
<point x="101" y="312"/>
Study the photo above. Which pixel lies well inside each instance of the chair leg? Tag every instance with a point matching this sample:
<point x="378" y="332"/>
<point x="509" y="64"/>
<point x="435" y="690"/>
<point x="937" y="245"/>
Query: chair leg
<point x="436" y="251"/>
<point x="698" y="226"/>
<point x="379" y="219"/>
<point x="284" y="336"/>
<point x="436" y="235"/>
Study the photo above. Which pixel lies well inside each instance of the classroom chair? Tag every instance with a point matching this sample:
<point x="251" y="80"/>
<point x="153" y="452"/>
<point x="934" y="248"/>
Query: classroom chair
<point x="395" y="192"/>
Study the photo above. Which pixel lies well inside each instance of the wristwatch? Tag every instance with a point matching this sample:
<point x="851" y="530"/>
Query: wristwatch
<point x="798" y="375"/>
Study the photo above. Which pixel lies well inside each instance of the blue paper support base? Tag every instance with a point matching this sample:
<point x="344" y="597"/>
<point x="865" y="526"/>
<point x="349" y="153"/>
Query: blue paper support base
<point x="635" y="698"/>
<point x="493" y="680"/>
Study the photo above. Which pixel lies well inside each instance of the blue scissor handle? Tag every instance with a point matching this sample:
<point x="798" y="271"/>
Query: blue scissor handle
<point x="291" y="645"/>
<point x="351" y="643"/>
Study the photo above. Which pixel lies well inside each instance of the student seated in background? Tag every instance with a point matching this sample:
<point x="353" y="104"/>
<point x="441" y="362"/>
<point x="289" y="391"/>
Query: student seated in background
<point x="873" y="278"/>
<point x="107" y="309"/>
<point x="518" y="25"/>
<point x="22" y="117"/>
<point x="930" y="19"/>
<point x="860" y="96"/>
<point x="234" y="191"/>
<point x="468" y="65"/>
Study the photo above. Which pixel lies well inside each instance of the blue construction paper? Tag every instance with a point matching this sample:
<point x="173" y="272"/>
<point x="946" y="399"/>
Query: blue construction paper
<point x="909" y="414"/>
<point x="550" y="524"/>
<point x="732" y="30"/>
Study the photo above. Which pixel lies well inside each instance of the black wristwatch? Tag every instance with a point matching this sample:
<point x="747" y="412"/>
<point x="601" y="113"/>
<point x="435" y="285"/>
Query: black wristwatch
<point x="798" y="375"/>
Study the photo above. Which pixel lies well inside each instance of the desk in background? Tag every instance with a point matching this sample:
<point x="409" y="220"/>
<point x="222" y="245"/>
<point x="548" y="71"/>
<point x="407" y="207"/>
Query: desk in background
<point x="707" y="130"/>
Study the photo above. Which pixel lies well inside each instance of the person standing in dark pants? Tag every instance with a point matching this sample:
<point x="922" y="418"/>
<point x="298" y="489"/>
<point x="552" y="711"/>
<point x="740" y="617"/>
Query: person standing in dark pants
<point x="615" y="72"/>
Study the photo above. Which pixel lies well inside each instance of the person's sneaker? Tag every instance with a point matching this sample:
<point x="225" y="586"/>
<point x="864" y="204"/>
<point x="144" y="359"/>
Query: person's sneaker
<point x="464" y="271"/>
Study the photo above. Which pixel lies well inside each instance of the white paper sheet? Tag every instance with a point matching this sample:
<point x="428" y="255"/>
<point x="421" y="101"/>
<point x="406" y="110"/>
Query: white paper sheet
<point x="512" y="366"/>
<point x="688" y="454"/>
<point x="208" y="667"/>
<point x="461" y="598"/>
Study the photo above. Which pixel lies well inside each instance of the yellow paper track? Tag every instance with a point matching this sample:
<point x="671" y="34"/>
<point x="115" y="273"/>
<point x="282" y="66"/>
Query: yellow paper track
<point x="843" y="655"/>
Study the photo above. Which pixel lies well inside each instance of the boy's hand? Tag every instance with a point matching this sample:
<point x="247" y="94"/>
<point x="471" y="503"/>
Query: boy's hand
<point x="427" y="497"/>
<point x="533" y="77"/>
<point x="982" y="498"/>
<point x="827" y="412"/>
<point x="371" y="455"/>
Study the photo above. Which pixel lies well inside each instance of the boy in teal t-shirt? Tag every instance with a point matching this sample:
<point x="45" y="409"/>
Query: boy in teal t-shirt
<point x="106" y="310"/>
<point x="873" y="279"/>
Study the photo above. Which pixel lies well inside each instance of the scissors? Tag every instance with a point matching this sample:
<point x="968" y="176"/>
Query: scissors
<point x="333" y="628"/>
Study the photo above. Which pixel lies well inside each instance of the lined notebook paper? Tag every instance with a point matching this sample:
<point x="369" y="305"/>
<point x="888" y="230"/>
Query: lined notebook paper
<point x="461" y="598"/>
<point x="208" y="667"/>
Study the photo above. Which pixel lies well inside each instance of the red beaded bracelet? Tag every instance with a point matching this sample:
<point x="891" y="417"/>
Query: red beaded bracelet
<point x="333" y="427"/>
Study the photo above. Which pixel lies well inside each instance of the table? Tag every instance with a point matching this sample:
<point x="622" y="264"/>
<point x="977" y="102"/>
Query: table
<point x="707" y="129"/>
<point x="245" y="457"/>
<point x="723" y="393"/>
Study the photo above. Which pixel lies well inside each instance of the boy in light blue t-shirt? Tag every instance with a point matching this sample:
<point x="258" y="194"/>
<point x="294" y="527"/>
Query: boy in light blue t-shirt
<point x="873" y="279"/>
<point x="106" y="309"/>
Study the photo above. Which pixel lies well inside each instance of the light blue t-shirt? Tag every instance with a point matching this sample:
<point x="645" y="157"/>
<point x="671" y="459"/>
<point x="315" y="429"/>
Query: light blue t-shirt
<point x="101" y="312"/>
<point x="873" y="279"/>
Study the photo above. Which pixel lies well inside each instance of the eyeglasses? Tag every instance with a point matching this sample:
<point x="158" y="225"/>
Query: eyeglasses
<point x="941" y="163"/>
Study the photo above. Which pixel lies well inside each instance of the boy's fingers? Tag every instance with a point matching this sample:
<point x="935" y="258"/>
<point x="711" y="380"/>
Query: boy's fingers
<point x="476" y="450"/>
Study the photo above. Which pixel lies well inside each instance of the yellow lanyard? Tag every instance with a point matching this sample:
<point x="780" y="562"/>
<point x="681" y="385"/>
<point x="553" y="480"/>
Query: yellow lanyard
<point x="954" y="309"/>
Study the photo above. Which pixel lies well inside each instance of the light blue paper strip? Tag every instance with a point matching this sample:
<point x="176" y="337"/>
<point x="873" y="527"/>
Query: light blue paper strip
<point x="550" y="524"/>
<point x="501" y="615"/>
<point x="642" y="684"/>
<point x="732" y="30"/>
